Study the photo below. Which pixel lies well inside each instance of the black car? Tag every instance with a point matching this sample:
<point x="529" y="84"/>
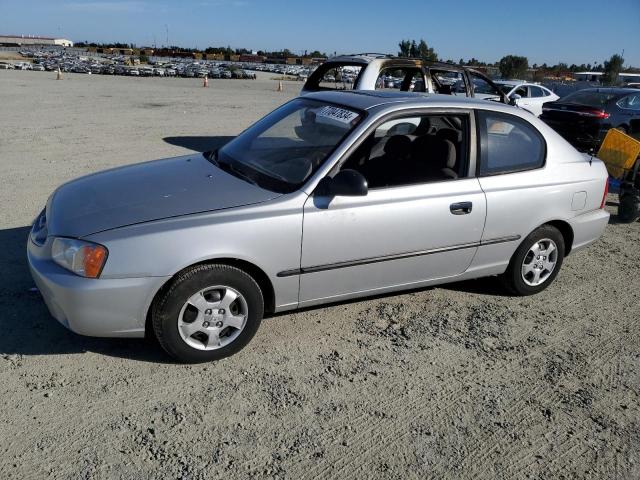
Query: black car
<point x="585" y="116"/>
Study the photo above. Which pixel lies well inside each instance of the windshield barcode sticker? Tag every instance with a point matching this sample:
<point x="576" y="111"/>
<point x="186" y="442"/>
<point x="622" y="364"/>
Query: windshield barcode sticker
<point x="339" y="115"/>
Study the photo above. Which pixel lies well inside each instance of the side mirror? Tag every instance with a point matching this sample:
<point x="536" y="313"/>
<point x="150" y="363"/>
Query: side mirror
<point x="346" y="183"/>
<point x="514" y="98"/>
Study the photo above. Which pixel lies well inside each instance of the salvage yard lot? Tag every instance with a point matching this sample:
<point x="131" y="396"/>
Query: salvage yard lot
<point x="458" y="381"/>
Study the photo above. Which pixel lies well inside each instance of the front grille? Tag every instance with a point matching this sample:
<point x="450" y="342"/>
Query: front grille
<point x="39" y="229"/>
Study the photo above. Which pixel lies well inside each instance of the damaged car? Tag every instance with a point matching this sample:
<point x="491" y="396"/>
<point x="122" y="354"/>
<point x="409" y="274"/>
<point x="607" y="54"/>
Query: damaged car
<point x="376" y="71"/>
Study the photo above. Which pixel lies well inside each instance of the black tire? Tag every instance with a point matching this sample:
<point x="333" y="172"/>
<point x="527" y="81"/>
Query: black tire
<point x="629" y="206"/>
<point x="167" y="306"/>
<point x="512" y="278"/>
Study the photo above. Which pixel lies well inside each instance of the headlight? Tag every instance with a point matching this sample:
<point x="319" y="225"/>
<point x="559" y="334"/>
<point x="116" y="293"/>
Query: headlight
<point x="83" y="258"/>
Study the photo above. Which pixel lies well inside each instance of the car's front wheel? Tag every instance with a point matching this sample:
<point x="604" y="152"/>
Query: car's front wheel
<point x="207" y="312"/>
<point x="536" y="262"/>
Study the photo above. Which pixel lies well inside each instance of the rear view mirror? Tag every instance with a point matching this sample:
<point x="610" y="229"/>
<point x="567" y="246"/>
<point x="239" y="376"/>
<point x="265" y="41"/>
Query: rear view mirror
<point x="514" y="98"/>
<point x="346" y="183"/>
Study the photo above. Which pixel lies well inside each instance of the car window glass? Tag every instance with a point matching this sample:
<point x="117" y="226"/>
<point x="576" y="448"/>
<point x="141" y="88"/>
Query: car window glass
<point x="631" y="102"/>
<point x="522" y="91"/>
<point x="289" y="144"/>
<point x="536" y="92"/>
<point x="412" y="150"/>
<point x="508" y="144"/>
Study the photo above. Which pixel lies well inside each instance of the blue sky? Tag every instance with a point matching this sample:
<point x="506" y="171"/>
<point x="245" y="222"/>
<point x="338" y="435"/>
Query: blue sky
<point x="571" y="31"/>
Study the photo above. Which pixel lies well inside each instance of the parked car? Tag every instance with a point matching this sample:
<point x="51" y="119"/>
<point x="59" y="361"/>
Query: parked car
<point x="371" y="70"/>
<point x="585" y="116"/>
<point x="528" y="96"/>
<point x="320" y="201"/>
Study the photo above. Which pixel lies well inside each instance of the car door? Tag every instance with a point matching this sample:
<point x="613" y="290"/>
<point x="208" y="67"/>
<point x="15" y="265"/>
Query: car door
<point x="413" y="226"/>
<point x="519" y="192"/>
<point x="537" y="97"/>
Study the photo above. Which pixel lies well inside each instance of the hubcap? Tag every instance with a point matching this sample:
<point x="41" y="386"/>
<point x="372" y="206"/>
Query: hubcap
<point x="212" y="318"/>
<point x="539" y="262"/>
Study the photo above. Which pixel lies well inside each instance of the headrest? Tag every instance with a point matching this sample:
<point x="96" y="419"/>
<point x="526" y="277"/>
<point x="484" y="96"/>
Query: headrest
<point x="423" y="127"/>
<point x="436" y="151"/>
<point x="450" y="134"/>
<point x="398" y="146"/>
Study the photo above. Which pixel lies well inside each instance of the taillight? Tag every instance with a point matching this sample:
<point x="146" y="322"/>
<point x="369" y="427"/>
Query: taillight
<point x="601" y="114"/>
<point x="604" y="195"/>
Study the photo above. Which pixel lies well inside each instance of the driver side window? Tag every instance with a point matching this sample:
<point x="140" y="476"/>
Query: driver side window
<point x="413" y="150"/>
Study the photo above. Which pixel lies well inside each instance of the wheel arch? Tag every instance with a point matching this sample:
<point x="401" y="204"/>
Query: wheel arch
<point x="566" y="231"/>
<point x="259" y="275"/>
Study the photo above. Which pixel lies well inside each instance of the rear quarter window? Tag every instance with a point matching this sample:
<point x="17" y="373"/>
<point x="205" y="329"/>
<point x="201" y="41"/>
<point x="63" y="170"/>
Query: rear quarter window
<point x="508" y="144"/>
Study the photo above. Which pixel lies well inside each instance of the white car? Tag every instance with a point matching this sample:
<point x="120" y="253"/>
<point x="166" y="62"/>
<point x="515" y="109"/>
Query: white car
<point x="528" y="96"/>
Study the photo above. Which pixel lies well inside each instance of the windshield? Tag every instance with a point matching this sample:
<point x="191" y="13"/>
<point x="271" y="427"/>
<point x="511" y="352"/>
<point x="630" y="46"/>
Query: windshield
<point x="281" y="151"/>
<point x="590" y="98"/>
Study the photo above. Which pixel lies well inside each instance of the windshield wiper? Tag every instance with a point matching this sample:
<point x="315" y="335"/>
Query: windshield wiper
<point x="230" y="168"/>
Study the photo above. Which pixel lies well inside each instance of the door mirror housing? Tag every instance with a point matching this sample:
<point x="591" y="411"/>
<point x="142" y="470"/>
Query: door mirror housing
<point x="514" y="98"/>
<point x="346" y="183"/>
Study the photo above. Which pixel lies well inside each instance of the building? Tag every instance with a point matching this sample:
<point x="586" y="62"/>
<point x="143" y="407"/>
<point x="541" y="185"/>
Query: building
<point x="252" y="58"/>
<point x="623" y="77"/>
<point x="30" y="40"/>
<point x="587" y="76"/>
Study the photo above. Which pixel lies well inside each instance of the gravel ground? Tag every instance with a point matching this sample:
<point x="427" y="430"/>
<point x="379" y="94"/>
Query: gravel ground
<point x="458" y="382"/>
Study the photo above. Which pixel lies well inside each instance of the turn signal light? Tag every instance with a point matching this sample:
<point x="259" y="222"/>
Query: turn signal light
<point x="94" y="257"/>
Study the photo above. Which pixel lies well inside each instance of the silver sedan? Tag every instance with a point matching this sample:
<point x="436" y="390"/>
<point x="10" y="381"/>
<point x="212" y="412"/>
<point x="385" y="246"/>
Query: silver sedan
<point x="332" y="196"/>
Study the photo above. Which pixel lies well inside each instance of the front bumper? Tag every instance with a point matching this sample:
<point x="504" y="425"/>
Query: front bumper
<point x="94" y="307"/>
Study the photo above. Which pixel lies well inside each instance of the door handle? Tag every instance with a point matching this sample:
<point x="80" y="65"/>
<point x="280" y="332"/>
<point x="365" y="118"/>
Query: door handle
<point x="461" y="208"/>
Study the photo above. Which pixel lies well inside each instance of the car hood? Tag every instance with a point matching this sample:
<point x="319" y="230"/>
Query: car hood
<point x="146" y="192"/>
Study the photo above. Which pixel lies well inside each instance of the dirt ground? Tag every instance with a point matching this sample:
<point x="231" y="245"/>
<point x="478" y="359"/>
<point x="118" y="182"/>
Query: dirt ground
<point x="458" y="382"/>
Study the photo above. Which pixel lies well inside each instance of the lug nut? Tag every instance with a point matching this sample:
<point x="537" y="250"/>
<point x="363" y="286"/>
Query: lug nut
<point x="208" y="311"/>
<point x="221" y="311"/>
<point x="205" y="324"/>
<point x="219" y="324"/>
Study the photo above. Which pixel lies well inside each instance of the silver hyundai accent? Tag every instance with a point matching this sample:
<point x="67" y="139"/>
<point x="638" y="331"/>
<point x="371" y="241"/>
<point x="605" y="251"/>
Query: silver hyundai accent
<point x="332" y="196"/>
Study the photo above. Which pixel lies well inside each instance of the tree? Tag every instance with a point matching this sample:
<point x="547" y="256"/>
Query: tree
<point x="426" y="53"/>
<point x="411" y="49"/>
<point x="405" y="48"/>
<point x="612" y="69"/>
<point x="513" y="66"/>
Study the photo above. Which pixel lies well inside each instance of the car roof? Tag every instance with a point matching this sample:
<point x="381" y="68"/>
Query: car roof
<point x="515" y="83"/>
<point x="366" y="58"/>
<point x="618" y="90"/>
<point x="369" y="99"/>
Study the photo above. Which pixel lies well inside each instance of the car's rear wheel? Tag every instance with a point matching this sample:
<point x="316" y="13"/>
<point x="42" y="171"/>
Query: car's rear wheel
<point x="629" y="206"/>
<point x="536" y="262"/>
<point x="208" y="312"/>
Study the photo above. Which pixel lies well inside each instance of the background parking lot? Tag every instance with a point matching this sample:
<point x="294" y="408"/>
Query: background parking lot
<point x="458" y="381"/>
